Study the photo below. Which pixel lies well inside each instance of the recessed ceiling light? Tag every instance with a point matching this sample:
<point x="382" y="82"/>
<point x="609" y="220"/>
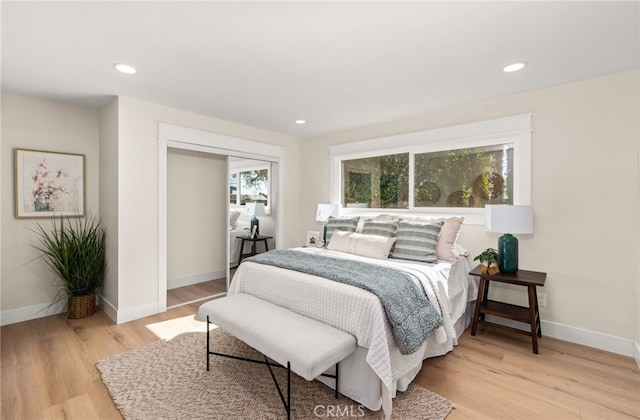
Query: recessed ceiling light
<point x="514" y="67"/>
<point x="124" y="68"/>
<point x="301" y="122"/>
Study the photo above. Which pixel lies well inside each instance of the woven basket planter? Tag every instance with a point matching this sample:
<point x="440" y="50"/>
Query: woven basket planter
<point x="81" y="306"/>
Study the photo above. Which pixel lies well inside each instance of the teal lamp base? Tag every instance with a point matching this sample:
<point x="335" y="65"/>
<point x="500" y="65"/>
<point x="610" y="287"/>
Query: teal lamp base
<point x="255" y="222"/>
<point x="508" y="253"/>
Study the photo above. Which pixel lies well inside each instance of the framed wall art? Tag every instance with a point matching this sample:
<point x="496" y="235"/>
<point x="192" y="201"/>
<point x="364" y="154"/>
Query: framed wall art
<point x="49" y="183"/>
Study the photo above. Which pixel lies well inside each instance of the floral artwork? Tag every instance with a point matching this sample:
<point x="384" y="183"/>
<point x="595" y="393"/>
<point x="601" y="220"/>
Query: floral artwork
<point x="49" y="184"/>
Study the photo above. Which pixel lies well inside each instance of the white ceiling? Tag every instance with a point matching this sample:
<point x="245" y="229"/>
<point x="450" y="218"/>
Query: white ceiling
<point x="336" y="64"/>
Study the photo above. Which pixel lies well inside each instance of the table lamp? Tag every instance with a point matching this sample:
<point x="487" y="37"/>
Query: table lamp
<point x="255" y="210"/>
<point x="323" y="213"/>
<point x="509" y="220"/>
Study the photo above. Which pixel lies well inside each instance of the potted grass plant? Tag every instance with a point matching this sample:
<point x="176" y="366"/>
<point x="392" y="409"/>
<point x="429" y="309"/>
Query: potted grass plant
<point x="489" y="259"/>
<point x="75" y="252"/>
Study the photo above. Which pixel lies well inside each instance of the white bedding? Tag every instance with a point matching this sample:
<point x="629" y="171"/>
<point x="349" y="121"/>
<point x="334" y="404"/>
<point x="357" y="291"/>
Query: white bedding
<point x="377" y="369"/>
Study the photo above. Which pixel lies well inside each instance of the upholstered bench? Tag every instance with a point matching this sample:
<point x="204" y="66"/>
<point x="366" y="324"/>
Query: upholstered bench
<point x="302" y="345"/>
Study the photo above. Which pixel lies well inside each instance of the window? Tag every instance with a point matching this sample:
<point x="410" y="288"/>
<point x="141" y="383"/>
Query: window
<point x="470" y="177"/>
<point x="249" y="186"/>
<point x="456" y="169"/>
<point x="376" y="182"/>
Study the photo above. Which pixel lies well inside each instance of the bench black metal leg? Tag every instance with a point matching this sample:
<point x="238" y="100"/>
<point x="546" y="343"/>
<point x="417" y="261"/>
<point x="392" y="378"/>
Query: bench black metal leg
<point x="337" y="377"/>
<point x="287" y="403"/>
<point x="288" y="389"/>
<point x="208" y="349"/>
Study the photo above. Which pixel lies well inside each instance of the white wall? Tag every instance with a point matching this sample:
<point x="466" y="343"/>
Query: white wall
<point x="108" y="186"/>
<point x="138" y="194"/>
<point x="34" y="123"/>
<point x="196" y="216"/>
<point x="584" y="193"/>
<point x="121" y="147"/>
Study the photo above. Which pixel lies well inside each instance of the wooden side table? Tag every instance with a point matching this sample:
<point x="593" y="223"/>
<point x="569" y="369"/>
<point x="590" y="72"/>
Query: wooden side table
<point x="528" y="315"/>
<point x="253" y="246"/>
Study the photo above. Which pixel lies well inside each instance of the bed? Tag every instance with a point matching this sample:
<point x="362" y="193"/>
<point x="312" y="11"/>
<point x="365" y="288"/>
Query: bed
<point x="377" y="369"/>
<point x="234" y="244"/>
<point x="238" y="228"/>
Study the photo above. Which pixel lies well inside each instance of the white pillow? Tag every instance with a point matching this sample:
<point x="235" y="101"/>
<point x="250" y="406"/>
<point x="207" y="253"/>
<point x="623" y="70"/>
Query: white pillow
<point x="371" y="246"/>
<point x="233" y="218"/>
<point x="449" y="234"/>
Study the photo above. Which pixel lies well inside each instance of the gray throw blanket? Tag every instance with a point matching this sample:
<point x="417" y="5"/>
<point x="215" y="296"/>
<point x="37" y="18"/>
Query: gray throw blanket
<point x="410" y="314"/>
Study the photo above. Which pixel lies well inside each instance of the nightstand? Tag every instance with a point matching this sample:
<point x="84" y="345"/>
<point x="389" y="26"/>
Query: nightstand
<point x="528" y="315"/>
<point x="253" y="246"/>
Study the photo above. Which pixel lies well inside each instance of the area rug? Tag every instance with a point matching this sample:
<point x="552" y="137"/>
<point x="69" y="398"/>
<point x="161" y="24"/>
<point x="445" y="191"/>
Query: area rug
<point x="169" y="380"/>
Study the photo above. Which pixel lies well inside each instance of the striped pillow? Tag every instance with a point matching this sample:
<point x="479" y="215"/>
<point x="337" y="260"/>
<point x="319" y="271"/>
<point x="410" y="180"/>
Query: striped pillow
<point x="339" y="223"/>
<point x="374" y="227"/>
<point x="417" y="241"/>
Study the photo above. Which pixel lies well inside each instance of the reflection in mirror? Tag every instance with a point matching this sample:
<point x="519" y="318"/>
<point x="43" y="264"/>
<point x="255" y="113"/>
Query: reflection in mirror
<point x="250" y="181"/>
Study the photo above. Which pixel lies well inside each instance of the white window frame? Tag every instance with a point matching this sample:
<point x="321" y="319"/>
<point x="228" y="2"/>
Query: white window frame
<point x="516" y="130"/>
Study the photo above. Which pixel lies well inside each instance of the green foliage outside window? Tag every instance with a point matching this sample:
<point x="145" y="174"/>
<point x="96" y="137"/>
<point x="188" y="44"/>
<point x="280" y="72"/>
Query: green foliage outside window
<point x="377" y="182"/>
<point x="250" y="186"/>
<point x="470" y="177"/>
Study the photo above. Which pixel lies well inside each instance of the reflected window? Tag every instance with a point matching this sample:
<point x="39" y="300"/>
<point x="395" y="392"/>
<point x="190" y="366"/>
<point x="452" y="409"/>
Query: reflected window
<point x="233" y="188"/>
<point x="249" y="186"/>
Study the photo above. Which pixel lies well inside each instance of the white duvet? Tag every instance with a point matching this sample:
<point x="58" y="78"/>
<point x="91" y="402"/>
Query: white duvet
<point x="361" y="314"/>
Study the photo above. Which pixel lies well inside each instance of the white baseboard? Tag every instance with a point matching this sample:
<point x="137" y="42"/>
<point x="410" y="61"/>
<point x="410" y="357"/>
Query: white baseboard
<point x="610" y="343"/>
<point x="109" y="309"/>
<point x="195" y="279"/>
<point x="636" y="353"/>
<point x="13" y="316"/>
<point x="136" y="313"/>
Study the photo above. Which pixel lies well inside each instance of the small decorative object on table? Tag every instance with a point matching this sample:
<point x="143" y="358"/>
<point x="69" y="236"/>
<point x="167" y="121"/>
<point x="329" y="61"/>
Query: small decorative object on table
<point x="489" y="259"/>
<point x="312" y="238"/>
<point x="255" y="210"/>
<point x="509" y="220"/>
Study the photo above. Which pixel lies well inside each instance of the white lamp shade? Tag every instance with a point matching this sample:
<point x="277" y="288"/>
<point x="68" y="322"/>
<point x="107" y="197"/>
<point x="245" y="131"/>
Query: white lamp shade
<point x="255" y="209"/>
<point x="509" y="219"/>
<point x="325" y="211"/>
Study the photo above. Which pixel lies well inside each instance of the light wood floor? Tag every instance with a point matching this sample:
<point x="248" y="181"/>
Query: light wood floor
<point x="48" y="371"/>
<point x="181" y="295"/>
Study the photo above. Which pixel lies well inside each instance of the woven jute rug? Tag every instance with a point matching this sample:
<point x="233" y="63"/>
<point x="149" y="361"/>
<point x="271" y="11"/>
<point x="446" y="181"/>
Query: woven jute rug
<point x="169" y="380"/>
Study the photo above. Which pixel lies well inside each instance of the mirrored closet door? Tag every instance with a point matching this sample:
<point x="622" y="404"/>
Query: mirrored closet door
<point x="252" y="226"/>
<point x="194" y="199"/>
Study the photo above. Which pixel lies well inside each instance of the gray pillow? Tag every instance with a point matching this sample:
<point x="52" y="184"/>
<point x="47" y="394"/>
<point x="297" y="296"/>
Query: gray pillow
<point x="417" y="241"/>
<point x="348" y="224"/>
<point x="375" y="227"/>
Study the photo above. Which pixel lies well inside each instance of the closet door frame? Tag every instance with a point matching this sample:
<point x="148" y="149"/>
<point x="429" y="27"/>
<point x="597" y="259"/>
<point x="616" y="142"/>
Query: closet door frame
<point x="173" y="136"/>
